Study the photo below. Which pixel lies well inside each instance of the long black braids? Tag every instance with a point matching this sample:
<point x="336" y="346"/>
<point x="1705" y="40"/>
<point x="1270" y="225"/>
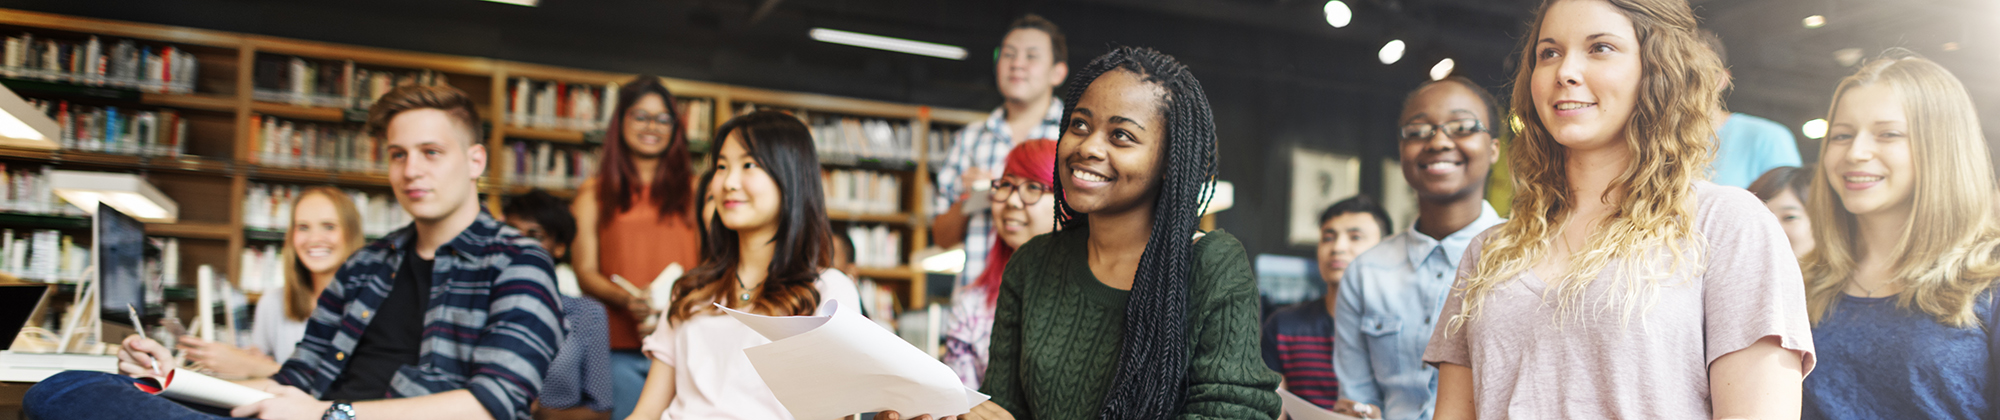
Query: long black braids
<point x="1152" y="363"/>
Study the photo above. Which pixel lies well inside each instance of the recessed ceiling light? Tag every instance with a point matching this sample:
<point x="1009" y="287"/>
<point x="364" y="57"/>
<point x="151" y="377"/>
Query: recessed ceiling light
<point x="1847" y="57"/>
<point x="1337" y="14"/>
<point x="1391" y="52"/>
<point x="529" y="3"/>
<point x="1442" y="69"/>
<point x="1951" y="46"/>
<point x="879" y="42"/>
<point x="1814" y="129"/>
<point x="1815" y="21"/>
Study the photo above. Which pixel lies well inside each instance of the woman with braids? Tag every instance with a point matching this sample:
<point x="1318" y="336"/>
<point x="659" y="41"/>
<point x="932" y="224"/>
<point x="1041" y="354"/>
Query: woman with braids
<point x="1901" y="289"/>
<point x="1093" y="323"/>
<point x="1624" y="286"/>
<point x="771" y="246"/>
<point x="634" y="220"/>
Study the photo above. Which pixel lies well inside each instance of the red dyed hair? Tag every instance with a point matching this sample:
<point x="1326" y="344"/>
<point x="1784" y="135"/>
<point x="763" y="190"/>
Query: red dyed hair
<point x="1036" y="161"/>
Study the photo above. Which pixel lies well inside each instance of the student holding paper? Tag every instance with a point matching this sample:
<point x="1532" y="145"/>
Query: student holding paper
<point x="1902" y="288"/>
<point x="1624" y="285"/>
<point x="1127" y="312"/>
<point x="769" y="255"/>
<point x="452" y="317"/>
<point x="325" y="230"/>
<point x="1021" y="211"/>
<point x="633" y="221"/>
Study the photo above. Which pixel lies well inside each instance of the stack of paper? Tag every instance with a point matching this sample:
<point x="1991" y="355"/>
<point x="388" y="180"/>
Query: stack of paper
<point x="877" y="372"/>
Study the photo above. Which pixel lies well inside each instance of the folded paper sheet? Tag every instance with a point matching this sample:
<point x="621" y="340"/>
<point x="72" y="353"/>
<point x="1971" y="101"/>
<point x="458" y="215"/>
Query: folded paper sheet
<point x="876" y="370"/>
<point x="1300" y="409"/>
<point x="189" y="386"/>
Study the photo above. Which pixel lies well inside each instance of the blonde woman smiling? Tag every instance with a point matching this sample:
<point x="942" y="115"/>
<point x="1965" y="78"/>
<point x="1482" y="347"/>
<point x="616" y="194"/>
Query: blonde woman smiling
<point x="1624" y="286"/>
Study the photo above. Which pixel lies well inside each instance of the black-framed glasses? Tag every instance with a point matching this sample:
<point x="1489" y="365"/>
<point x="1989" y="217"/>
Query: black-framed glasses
<point x="1031" y="192"/>
<point x="1454" y="128"/>
<point x="664" y="118"/>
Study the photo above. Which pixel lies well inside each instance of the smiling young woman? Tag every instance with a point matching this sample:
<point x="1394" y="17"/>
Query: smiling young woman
<point x="1625" y="286"/>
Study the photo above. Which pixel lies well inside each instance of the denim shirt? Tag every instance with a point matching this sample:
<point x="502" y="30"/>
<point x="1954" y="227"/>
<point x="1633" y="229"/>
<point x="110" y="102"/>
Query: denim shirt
<point x="1388" y="303"/>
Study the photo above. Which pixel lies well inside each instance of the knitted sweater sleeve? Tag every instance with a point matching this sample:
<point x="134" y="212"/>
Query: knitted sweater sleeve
<point x="1227" y="377"/>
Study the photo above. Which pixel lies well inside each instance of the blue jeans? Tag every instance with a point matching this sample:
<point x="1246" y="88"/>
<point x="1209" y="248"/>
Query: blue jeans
<point x="628" y="380"/>
<point x="85" y="395"/>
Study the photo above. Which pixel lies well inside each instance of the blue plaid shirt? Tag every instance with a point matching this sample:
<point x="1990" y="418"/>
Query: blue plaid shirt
<point x="984" y="145"/>
<point x="492" y="328"/>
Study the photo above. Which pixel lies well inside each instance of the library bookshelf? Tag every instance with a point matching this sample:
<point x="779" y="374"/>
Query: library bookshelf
<point x="247" y="87"/>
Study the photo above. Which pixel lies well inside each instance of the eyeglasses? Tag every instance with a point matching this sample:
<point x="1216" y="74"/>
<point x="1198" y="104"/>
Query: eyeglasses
<point x="1031" y="192"/>
<point x="664" y="118"/>
<point x="1454" y="128"/>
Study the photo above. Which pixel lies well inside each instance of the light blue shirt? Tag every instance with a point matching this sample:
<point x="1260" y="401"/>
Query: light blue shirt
<point x="1747" y="146"/>
<point x="1389" y="301"/>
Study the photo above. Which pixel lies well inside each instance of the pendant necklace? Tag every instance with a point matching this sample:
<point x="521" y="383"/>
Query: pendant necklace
<point x="745" y="297"/>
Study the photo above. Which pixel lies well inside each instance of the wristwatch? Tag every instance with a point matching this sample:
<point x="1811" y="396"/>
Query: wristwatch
<point x="340" y="410"/>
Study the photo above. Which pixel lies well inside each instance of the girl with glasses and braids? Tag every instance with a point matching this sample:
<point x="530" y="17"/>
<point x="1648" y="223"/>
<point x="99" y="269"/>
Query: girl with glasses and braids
<point x="1124" y="313"/>
<point x="1021" y="211"/>
<point x="1625" y="285"/>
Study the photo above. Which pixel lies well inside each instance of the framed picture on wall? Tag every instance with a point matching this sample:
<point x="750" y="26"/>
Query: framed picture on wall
<point x="1397" y="197"/>
<point x="1318" y="180"/>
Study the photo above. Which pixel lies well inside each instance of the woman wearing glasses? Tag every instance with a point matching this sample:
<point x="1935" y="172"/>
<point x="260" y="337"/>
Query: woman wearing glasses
<point x="634" y="219"/>
<point x="1021" y="210"/>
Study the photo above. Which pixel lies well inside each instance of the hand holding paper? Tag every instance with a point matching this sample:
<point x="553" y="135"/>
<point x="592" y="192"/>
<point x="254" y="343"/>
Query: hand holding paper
<point x="1299" y="408"/>
<point x="876" y="370"/>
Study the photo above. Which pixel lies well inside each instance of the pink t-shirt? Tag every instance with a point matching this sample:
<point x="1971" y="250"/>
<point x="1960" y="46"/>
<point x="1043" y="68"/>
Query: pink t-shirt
<point x="1526" y="366"/>
<point x="712" y="377"/>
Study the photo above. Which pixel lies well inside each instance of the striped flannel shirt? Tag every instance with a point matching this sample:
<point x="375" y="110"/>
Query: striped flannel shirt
<point x="492" y="328"/>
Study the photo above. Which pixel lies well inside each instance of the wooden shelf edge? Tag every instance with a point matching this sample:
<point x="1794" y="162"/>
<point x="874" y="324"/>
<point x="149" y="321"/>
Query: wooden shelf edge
<point x="450" y="64"/>
<point x="192" y="230"/>
<point x="266" y="173"/>
<point x="332" y="115"/>
<point x="897" y="273"/>
<point x="957" y="116"/>
<point x="892" y="218"/>
<point x="121" y="29"/>
<point x="556" y="136"/>
<point x="119" y="161"/>
<point x="202" y="102"/>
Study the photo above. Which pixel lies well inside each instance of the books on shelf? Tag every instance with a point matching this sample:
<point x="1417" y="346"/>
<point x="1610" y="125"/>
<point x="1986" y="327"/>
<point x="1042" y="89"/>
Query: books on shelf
<point x="940" y="140"/>
<point x="876" y="246"/>
<point x="117" y="130"/>
<point x="44" y="255"/>
<point x="542" y="164"/>
<point x="878" y="303"/>
<point x="121" y="63"/>
<point x="700" y="116"/>
<point x="851" y="139"/>
<point x="286" y="143"/>
<point x="559" y="106"/>
<point x="330" y="83"/>
<point x="268" y="207"/>
<point x="862" y="191"/>
<point x="25" y="188"/>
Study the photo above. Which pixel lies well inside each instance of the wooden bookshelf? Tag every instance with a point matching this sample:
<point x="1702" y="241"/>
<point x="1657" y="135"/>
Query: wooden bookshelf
<point x="210" y="181"/>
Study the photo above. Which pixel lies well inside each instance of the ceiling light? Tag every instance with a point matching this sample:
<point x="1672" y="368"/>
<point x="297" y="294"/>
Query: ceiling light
<point x="879" y="42"/>
<point x="1814" y="129"/>
<point x="1391" y="52"/>
<point x="529" y="3"/>
<point x="1847" y="57"/>
<point x="1337" y="14"/>
<point x="1815" y="21"/>
<point x="23" y="126"/>
<point x="1442" y="69"/>
<point x="1951" y="46"/>
<point x="128" y="193"/>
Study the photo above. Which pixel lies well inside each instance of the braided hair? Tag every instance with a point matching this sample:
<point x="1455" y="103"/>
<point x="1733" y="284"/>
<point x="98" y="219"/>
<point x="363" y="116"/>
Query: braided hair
<point x="1152" y="363"/>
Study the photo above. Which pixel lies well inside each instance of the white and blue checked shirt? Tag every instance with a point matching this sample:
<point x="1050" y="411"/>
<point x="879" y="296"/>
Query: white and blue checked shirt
<point x="984" y="145"/>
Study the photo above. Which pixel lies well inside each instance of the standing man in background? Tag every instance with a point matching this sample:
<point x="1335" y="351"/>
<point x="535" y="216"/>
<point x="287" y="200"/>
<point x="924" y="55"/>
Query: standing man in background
<point x="1746" y="146"/>
<point x="1032" y="61"/>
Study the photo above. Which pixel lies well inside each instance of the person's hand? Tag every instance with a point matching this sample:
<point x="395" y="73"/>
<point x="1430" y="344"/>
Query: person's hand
<point x="893" y="415"/>
<point x="973" y="178"/>
<point x="225" y="360"/>
<point x="1349" y="407"/>
<point x="640" y="307"/>
<point x="139" y="356"/>
<point x="289" y="403"/>
<point x="987" y="411"/>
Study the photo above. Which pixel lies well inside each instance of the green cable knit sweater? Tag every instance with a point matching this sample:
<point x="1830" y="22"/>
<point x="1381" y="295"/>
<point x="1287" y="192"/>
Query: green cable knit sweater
<point x="1057" y="331"/>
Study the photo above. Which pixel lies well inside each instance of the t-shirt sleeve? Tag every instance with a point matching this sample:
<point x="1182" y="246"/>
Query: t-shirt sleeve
<point x="1751" y="287"/>
<point x="1450" y="345"/>
<point x="660" y="344"/>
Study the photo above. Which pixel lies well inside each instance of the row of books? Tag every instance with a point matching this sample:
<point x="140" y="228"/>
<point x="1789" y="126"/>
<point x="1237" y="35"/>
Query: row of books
<point x="878" y="303"/>
<point x="117" y="130"/>
<point x="840" y="139"/>
<point x="268" y="207"/>
<point x="287" y="143"/>
<point x="876" y="246"/>
<point x="123" y="63"/>
<point x="700" y="116"/>
<point x="560" y="106"/>
<point x="330" y="84"/>
<point x="541" y="164"/>
<point x="940" y="140"/>
<point x="856" y="191"/>
<point x="44" y="255"/>
<point x="25" y="188"/>
<point x="262" y="268"/>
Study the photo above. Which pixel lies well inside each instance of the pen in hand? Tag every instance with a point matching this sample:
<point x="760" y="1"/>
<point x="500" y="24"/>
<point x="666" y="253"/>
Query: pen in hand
<point x="129" y="310"/>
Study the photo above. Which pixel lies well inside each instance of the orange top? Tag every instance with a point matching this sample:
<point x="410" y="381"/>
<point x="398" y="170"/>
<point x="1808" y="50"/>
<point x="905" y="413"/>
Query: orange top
<point x="638" y="244"/>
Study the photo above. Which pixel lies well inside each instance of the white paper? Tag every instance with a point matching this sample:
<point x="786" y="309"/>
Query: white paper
<point x="877" y="371"/>
<point x="662" y="287"/>
<point x="1300" y="409"/>
<point x="187" y="385"/>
